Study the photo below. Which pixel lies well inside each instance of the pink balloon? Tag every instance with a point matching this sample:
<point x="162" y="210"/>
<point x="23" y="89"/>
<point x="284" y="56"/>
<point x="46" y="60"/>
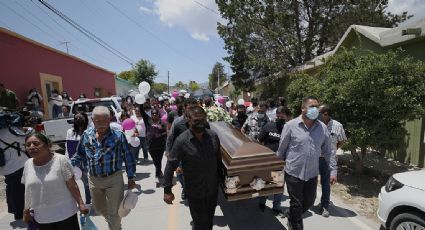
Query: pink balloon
<point x="173" y="107"/>
<point x="175" y="94"/>
<point x="128" y="124"/>
<point x="164" y="118"/>
<point x="221" y="100"/>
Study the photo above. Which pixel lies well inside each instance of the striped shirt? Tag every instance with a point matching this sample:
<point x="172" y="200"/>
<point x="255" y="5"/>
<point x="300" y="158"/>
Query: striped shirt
<point x="106" y="157"/>
<point x="337" y="133"/>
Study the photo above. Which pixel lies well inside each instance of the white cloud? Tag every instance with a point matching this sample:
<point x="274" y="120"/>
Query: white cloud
<point x="199" y="21"/>
<point x="144" y="9"/>
<point x="415" y="7"/>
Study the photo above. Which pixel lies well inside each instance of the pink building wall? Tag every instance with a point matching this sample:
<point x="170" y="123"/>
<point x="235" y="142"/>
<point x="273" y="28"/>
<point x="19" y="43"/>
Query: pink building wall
<point x="22" y="60"/>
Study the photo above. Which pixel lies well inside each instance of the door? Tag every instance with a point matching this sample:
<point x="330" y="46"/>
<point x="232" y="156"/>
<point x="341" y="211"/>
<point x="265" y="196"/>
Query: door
<point x="49" y="82"/>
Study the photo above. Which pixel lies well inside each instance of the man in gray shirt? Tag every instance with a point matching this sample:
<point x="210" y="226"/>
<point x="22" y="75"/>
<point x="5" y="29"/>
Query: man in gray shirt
<point x="303" y="140"/>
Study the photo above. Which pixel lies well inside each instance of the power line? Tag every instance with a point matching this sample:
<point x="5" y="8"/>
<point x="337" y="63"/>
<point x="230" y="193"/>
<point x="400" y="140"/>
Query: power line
<point x="44" y="24"/>
<point x="87" y="33"/>
<point x="207" y="8"/>
<point x="148" y="31"/>
<point x="75" y="37"/>
<point x="25" y="19"/>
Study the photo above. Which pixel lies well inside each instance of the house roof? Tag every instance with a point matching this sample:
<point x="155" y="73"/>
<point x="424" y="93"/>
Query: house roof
<point x="384" y="37"/>
<point x="19" y="36"/>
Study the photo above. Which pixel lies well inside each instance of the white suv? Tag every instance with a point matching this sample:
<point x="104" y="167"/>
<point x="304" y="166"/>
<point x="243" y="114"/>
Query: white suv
<point x="402" y="201"/>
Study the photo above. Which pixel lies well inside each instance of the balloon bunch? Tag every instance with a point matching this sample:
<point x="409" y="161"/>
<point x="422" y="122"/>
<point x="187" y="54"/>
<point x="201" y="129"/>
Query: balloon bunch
<point x="144" y="89"/>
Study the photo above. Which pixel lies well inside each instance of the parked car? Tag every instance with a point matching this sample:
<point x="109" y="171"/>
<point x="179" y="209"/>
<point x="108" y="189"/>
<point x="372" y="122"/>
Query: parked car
<point x="402" y="202"/>
<point x="56" y="128"/>
<point x="250" y="169"/>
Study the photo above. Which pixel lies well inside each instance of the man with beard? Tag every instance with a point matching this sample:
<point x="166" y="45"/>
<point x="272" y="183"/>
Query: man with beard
<point x="270" y="137"/>
<point x="302" y="142"/>
<point x="198" y="150"/>
<point x="240" y="118"/>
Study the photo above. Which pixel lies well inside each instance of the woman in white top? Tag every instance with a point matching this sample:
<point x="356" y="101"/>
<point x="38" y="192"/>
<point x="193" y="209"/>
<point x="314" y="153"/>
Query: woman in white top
<point x="73" y="136"/>
<point x="141" y="129"/>
<point x="50" y="188"/>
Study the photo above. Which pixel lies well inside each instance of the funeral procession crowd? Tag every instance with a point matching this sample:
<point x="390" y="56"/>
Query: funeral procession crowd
<point x="41" y="185"/>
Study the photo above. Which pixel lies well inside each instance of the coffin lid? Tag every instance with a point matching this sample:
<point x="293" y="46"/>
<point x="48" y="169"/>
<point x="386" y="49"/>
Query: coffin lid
<point x="236" y="144"/>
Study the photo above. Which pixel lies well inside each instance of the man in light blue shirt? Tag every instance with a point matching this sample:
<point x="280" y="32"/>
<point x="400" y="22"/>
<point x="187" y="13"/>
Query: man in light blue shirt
<point x="303" y="140"/>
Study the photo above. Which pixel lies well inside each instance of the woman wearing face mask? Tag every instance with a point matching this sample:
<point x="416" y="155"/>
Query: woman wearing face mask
<point x="73" y="136"/>
<point x="50" y="188"/>
<point x="67" y="100"/>
<point x="157" y="136"/>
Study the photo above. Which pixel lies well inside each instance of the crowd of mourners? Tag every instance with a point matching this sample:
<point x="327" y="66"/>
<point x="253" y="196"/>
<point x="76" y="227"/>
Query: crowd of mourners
<point x="41" y="184"/>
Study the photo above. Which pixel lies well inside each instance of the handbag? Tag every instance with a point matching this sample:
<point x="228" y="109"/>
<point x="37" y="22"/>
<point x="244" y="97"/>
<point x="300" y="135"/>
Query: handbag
<point x="88" y="224"/>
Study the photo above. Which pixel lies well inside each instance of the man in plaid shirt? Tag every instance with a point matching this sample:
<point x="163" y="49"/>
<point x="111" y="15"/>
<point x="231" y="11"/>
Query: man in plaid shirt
<point x="102" y="151"/>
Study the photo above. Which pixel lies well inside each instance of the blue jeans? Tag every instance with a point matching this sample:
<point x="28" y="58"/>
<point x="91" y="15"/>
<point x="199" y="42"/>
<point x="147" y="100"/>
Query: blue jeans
<point x="325" y="177"/>
<point x="144" y="146"/>
<point x="277" y="198"/>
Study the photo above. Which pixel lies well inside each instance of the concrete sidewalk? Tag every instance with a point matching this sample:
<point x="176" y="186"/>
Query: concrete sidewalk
<point x="151" y="213"/>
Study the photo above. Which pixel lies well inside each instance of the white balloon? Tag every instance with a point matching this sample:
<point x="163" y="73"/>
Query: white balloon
<point x="140" y="99"/>
<point x="144" y="87"/>
<point x="187" y="95"/>
<point x="241" y="101"/>
<point x="129" y="133"/>
<point x="134" y="142"/>
<point x="228" y="104"/>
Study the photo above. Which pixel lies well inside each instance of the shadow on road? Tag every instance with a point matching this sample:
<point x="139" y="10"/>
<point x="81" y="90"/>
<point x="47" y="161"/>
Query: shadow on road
<point x="18" y="224"/>
<point x="335" y="211"/>
<point x="246" y="215"/>
<point x="141" y="176"/>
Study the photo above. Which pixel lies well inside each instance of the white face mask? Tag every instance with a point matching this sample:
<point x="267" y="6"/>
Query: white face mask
<point x="312" y="113"/>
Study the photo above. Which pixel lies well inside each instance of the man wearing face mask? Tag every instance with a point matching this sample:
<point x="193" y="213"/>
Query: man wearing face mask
<point x="198" y="149"/>
<point x="255" y="122"/>
<point x="240" y="118"/>
<point x="338" y="137"/>
<point x="303" y="140"/>
<point x="270" y="136"/>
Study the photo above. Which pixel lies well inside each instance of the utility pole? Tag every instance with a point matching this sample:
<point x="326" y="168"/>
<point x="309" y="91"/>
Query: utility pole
<point x="218" y="79"/>
<point x="66" y="44"/>
<point x="168" y="82"/>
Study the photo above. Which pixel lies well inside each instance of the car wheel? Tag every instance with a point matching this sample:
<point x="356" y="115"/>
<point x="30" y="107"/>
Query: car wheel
<point x="408" y="221"/>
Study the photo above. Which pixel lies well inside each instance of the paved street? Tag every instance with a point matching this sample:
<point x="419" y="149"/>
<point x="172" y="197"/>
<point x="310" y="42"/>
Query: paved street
<point x="152" y="213"/>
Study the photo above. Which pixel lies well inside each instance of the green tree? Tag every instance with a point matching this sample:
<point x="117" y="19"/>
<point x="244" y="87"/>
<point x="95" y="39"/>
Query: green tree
<point x="193" y="86"/>
<point x="372" y="95"/>
<point x="127" y="75"/>
<point x="266" y="37"/>
<point x="180" y="85"/>
<point x="159" y="87"/>
<point x="217" y="71"/>
<point x="144" y="70"/>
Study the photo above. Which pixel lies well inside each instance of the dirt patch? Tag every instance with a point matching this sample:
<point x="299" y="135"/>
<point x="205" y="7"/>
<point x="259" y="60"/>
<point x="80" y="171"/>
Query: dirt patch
<point x="361" y="191"/>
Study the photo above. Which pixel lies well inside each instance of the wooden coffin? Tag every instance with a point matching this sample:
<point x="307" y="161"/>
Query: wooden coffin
<point x="247" y="160"/>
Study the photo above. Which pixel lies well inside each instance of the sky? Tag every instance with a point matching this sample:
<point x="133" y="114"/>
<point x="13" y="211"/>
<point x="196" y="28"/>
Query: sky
<point x="178" y="36"/>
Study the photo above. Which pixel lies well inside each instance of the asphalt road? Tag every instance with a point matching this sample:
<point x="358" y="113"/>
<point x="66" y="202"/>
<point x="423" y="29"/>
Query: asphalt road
<point x="152" y="213"/>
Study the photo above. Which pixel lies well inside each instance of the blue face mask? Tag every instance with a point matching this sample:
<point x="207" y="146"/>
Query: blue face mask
<point x="312" y="113"/>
